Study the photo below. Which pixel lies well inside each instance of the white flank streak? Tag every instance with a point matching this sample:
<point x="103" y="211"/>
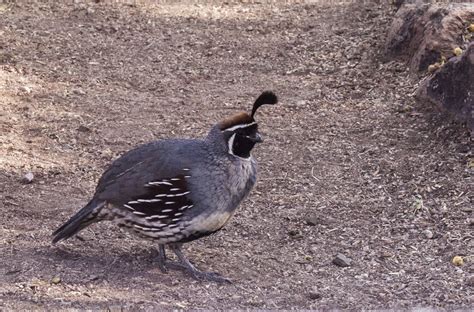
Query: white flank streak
<point x="177" y="195"/>
<point x="159" y="183"/>
<point x="149" y="200"/>
<point x="172" y="226"/>
<point x="161" y="195"/>
<point x="132" y="202"/>
<point x="128" y="207"/>
<point x="175" y="189"/>
<point x="166" y="210"/>
<point x="175" y="179"/>
<point x="187" y="177"/>
<point x="169" y="203"/>
<point x="240" y="126"/>
<point x="156" y="217"/>
<point x="186" y="169"/>
<point x="178" y="214"/>
<point x="139" y="213"/>
<point x="175" y="219"/>
<point x="152" y="217"/>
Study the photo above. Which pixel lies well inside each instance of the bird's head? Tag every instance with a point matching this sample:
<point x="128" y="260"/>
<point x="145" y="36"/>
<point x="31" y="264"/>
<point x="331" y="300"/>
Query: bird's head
<point x="240" y="132"/>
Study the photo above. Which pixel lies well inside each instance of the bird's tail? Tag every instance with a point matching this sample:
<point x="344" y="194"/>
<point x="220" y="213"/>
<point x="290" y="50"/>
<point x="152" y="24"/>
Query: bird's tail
<point x="79" y="221"/>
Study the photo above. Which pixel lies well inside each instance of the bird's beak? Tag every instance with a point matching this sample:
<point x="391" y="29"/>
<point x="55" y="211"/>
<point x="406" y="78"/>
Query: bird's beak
<point x="257" y="138"/>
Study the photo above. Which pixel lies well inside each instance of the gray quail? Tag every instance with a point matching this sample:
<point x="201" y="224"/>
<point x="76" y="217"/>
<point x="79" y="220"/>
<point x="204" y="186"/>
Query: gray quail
<point x="174" y="191"/>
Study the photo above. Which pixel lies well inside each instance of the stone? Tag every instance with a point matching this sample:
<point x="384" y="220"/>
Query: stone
<point x="423" y="34"/>
<point x="28" y="177"/>
<point x="312" y="220"/>
<point x="82" y="128"/>
<point x="451" y="88"/>
<point x="341" y="260"/>
<point x="428" y="234"/>
<point x="470" y="281"/>
<point x="314" y="295"/>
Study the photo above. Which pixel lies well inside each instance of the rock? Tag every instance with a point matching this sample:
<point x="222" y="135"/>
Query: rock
<point x="312" y="220"/>
<point x="458" y="260"/>
<point x="470" y="281"/>
<point x="457" y="51"/>
<point x="471" y="28"/>
<point x="428" y="234"/>
<point x="78" y="91"/>
<point x="28" y="177"/>
<point x="314" y="295"/>
<point x="341" y="260"/>
<point x="422" y="34"/>
<point x="83" y="129"/>
<point x="25" y="89"/>
<point x="451" y="88"/>
<point x="56" y="280"/>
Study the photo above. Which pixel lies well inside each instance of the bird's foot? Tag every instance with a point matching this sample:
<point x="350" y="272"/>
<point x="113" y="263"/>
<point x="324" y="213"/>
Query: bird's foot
<point x="186" y="266"/>
<point x="195" y="273"/>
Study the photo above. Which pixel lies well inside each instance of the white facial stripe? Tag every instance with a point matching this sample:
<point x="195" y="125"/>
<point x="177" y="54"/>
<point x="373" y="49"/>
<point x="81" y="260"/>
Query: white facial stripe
<point x="240" y="126"/>
<point x="231" y="144"/>
<point x="231" y="147"/>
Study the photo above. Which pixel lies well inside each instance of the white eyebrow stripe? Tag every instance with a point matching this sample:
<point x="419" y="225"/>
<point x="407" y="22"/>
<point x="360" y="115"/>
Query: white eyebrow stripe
<point x="240" y="126"/>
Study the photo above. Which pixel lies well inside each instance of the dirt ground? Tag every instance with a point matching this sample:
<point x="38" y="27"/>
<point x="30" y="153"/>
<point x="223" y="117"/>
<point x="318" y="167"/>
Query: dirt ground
<point x="351" y="164"/>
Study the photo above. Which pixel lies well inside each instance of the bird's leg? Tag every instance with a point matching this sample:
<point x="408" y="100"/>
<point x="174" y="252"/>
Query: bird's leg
<point x="164" y="264"/>
<point x="191" y="269"/>
<point x="162" y="258"/>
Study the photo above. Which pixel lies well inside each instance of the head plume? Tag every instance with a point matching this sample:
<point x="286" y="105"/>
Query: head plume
<point x="267" y="97"/>
<point x="242" y="118"/>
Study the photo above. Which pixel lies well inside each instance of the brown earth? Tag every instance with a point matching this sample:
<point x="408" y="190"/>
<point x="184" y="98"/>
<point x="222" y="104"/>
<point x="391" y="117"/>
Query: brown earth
<point x="350" y="165"/>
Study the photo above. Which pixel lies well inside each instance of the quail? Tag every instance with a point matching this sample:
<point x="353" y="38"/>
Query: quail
<point x="174" y="191"/>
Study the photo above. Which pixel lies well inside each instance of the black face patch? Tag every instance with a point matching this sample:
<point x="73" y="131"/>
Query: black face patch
<point x="242" y="146"/>
<point x="240" y="140"/>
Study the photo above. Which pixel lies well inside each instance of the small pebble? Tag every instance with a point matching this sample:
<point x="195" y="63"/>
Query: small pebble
<point x="25" y="89"/>
<point x="311" y="220"/>
<point x="470" y="281"/>
<point x="457" y="51"/>
<point x="56" y="280"/>
<point x="341" y="260"/>
<point x="428" y="234"/>
<point x="78" y="91"/>
<point x="314" y="295"/>
<point x="458" y="260"/>
<point x="28" y="177"/>
<point x="83" y="129"/>
<point x="471" y="27"/>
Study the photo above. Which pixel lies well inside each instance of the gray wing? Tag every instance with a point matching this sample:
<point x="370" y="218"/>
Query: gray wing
<point x="150" y="179"/>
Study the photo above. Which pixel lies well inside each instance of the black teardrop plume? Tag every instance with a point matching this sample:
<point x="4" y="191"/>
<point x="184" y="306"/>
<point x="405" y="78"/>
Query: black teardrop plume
<point x="267" y="97"/>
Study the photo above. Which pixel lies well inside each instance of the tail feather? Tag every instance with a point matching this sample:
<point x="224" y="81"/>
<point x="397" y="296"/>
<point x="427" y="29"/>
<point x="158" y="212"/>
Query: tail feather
<point x="79" y="221"/>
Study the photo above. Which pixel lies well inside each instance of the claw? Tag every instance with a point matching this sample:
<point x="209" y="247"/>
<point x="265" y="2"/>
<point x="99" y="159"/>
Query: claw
<point x="210" y="276"/>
